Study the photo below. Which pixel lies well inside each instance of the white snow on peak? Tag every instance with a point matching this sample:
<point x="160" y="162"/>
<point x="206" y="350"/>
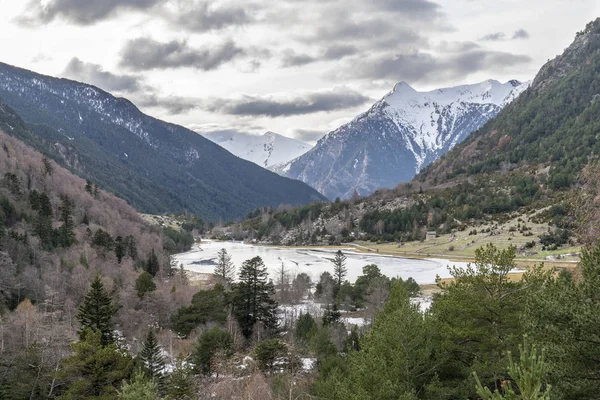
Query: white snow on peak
<point x="487" y="92"/>
<point x="429" y="117"/>
<point x="266" y="150"/>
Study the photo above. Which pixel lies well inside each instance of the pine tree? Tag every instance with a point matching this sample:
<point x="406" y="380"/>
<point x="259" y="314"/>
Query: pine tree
<point x="180" y="384"/>
<point x="131" y="247"/>
<point x="144" y="284"/>
<point x="140" y="388"/>
<point x="94" y="370"/>
<point x="208" y="345"/>
<point x="528" y="376"/>
<point x="151" y="356"/>
<point x="88" y="186"/>
<point x="339" y="271"/>
<point x="96" y="312"/>
<point x="152" y="266"/>
<point x="40" y="202"/>
<point x="224" y="270"/>
<point x="119" y="249"/>
<point x="66" y="233"/>
<point x="252" y="298"/>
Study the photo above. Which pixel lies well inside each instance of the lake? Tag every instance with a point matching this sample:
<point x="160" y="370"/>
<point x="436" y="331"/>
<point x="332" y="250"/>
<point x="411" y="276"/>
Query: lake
<point x="314" y="261"/>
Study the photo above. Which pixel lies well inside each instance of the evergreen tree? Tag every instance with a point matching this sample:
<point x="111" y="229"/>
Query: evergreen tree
<point x="564" y="319"/>
<point x="66" y="233"/>
<point x="131" y="247"/>
<point x="331" y="315"/>
<point x="152" y="265"/>
<point x="210" y="343"/>
<point x="305" y="325"/>
<point x="40" y="202"/>
<point x="224" y="270"/>
<point x="95" y="370"/>
<point x="144" y="284"/>
<point x="180" y="384"/>
<point x="88" y="186"/>
<point x="478" y="318"/>
<point x="140" y="388"/>
<point x="96" y="312"/>
<point x="397" y="358"/>
<point x="208" y="306"/>
<point x="339" y="272"/>
<point x="103" y="240"/>
<point x="252" y="298"/>
<point x="528" y="377"/>
<point x="269" y="352"/>
<point x="151" y="357"/>
<point x="120" y="249"/>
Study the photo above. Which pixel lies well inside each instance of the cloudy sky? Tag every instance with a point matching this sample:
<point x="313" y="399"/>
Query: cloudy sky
<point x="296" y="67"/>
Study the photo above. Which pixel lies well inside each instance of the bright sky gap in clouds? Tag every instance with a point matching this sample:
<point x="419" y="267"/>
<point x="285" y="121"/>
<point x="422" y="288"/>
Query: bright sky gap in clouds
<point x="296" y="67"/>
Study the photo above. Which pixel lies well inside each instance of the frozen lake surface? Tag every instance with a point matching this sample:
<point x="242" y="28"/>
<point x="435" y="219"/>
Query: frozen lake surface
<point x="314" y="261"/>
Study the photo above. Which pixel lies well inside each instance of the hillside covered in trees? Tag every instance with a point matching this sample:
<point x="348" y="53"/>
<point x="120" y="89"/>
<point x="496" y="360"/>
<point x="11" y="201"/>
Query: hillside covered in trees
<point x="552" y="125"/>
<point x="57" y="234"/>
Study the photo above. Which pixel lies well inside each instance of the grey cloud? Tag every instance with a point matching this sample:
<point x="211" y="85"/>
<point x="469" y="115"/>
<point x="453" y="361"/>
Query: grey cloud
<point x="413" y="8"/>
<point x="366" y="36"/>
<point x="334" y="52"/>
<point x="501" y="36"/>
<point x="520" y="34"/>
<point x="307" y="135"/>
<point x="140" y="93"/>
<point x="420" y="67"/>
<point x="293" y="59"/>
<point x="494" y="37"/>
<point x="96" y="75"/>
<point x="339" y="51"/>
<point x="344" y="29"/>
<point x="147" y="54"/>
<point x="456" y="47"/>
<point x="82" y="12"/>
<point x="203" y="16"/>
<point x="173" y="104"/>
<point x="278" y="106"/>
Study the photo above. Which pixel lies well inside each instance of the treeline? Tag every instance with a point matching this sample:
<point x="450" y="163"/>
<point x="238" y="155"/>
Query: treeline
<point x="456" y="208"/>
<point x="443" y="210"/>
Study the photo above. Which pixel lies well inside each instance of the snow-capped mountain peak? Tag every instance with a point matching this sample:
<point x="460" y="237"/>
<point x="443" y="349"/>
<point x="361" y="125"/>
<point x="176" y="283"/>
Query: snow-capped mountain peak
<point x="399" y="135"/>
<point x="265" y="150"/>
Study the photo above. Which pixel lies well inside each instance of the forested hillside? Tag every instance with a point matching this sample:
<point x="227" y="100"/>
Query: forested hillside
<point x="553" y="124"/>
<point x="155" y="166"/>
<point x="57" y="234"/>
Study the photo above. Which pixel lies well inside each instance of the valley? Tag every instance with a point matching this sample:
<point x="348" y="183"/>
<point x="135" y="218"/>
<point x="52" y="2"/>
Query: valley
<point x="159" y="242"/>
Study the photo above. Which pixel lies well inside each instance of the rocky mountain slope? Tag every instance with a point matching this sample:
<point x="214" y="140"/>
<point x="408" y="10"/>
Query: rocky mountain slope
<point x="267" y="150"/>
<point x="402" y="133"/>
<point x="156" y="166"/>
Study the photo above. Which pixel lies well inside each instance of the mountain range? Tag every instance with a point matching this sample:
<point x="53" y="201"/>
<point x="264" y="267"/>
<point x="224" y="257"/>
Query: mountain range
<point x="399" y="135"/>
<point x="537" y="159"/>
<point x="156" y="166"/>
<point x="265" y="150"/>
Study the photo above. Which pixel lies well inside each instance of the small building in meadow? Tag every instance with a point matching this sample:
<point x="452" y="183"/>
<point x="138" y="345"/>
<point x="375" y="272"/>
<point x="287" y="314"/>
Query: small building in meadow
<point x="431" y="235"/>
